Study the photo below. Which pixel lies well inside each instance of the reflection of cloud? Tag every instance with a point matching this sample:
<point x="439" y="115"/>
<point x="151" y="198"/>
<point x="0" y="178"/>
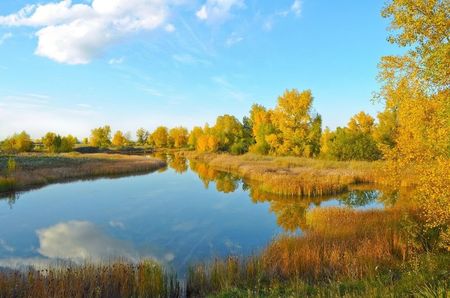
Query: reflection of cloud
<point x="5" y="246"/>
<point x="117" y="224"/>
<point x="81" y="240"/>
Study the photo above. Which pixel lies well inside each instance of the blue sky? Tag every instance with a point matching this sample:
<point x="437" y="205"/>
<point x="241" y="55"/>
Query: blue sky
<point x="69" y="66"/>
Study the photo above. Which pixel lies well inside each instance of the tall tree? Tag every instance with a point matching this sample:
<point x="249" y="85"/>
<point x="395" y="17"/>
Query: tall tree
<point x="101" y="136"/>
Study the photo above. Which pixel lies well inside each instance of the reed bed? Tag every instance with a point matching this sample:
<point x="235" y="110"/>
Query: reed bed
<point x="339" y="244"/>
<point x="120" y="279"/>
<point x="292" y="176"/>
<point x="34" y="170"/>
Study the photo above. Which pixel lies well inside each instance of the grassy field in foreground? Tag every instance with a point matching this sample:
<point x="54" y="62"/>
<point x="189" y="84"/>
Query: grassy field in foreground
<point x="34" y="170"/>
<point x="293" y="175"/>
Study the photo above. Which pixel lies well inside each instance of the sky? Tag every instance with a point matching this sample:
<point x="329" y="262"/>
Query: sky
<point x="69" y="66"/>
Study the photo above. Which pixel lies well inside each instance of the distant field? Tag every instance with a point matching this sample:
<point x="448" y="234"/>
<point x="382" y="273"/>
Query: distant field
<point x="34" y="170"/>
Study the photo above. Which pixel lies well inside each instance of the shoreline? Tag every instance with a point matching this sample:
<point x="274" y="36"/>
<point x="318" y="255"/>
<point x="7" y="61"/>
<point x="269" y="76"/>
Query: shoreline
<point x="38" y="170"/>
<point x="293" y="176"/>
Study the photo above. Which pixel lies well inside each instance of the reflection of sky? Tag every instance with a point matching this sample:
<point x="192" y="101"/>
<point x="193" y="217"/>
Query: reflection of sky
<point x="165" y="216"/>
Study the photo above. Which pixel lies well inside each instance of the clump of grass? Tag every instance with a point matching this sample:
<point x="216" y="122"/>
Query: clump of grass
<point x="119" y="279"/>
<point x="292" y="176"/>
<point x="7" y="184"/>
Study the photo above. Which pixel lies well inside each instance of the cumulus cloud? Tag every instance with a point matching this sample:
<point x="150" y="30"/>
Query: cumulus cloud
<point x="77" y="33"/>
<point x="218" y="10"/>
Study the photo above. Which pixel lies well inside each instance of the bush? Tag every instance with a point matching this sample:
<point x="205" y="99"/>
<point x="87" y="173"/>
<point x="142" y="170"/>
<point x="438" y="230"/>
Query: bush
<point x="349" y="145"/>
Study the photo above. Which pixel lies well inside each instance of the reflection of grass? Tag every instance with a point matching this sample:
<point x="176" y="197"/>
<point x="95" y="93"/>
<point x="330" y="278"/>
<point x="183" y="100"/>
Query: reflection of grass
<point x="146" y="279"/>
<point x="294" y="176"/>
<point x="38" y="169"/>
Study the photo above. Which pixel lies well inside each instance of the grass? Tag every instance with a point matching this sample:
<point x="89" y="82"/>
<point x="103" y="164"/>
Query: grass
<point x="344" y="253"/>
<point x="119" y="279"/>
<point x="292" y="176"/>
<point x="35" y="170"/>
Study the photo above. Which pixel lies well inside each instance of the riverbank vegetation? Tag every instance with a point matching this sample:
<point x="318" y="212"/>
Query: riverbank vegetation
<point x="34" y="170"/>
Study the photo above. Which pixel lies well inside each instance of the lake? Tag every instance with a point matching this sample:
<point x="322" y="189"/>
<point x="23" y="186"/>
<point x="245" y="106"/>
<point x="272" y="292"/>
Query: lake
<point x="179" y="215"/>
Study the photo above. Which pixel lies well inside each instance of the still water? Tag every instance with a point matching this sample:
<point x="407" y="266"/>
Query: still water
<point x="179" y="215"/>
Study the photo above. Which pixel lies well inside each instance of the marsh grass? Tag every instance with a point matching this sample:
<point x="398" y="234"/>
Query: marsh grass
<point x="119" y="279"/>
<point x="293" y="176"/>
<point x="338" y="244"/>
<point x="34" y="170"/>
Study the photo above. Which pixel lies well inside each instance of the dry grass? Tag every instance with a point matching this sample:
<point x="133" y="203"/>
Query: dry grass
<point x="35" y="170"/>
<point x="120" y="279"/>
<point x="339" y="244"/>
<point x="292" y="176"/>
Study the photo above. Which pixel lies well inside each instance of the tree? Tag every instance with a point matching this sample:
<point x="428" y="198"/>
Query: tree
<point x="119" y="139"/>
<point x="361" y="122"/>
<point x="194" y="136"/>
<point x="56" y="144"/>
<point x="179" y="137"/>
<point x="101" y="136"/>
<point x="293" y="120"/>
<point x="18" y="143"/>
<point x="142" y="136"/>
<point x="415" y="88"/>
<point x="160" y="137"/>
<point x="353" y="145"/>
<point x="228" y="131"/>
<point x="261" y="127"/>
<point x="49" y="140"/>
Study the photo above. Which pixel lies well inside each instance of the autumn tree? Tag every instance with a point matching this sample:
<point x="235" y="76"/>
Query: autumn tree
<point x="56" y="144"/>
<point x="179" y="137"/>
<point x="415" y="90"/>
<point x="261" y="128"/>
<point x="18" y="143"/>
<point x="119" y="139"/>
<point x="229" y="132"/>
<point x="160" y="137"/>
<point x="101" y="136"/>
<point x="194" y="135"/>
<point x="293" y="120"/>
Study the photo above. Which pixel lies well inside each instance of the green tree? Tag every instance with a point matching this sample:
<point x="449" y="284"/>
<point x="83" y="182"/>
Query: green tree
<point x="142" y="136"/>
<point x="229" y="131"/>
<point x="18" y="143"/>
<point x="353" y="145"/>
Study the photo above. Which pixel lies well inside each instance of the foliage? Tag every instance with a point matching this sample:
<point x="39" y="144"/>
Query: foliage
<point x="178" y="137"/>
<point x="17" y="143"/>
<point x="415" y="87"/>
<point x="119" y="139"/>
<point x="56" y="144"/>
<point x="353" y="145"/>
<point x="142" y="136"/>
<point x="101" y="137"/>
<point x="159" y="138"/>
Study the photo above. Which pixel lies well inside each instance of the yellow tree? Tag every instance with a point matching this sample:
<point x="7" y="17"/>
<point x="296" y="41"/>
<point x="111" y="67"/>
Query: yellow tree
<point x="160" y="137"/>
<point x="179" y="137"/>
<point x="119" y="139"/>
<point x="361" y="122"/>
<point x="194" y="136"/>
<point x="416" y="88"/>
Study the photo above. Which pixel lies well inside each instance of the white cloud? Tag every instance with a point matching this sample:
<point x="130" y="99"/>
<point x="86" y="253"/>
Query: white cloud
<point x="114" y="61"/>
<point x="5" y="37"/>
<point x="170" y="28"/>
<point x="218" y="10"/>
<point x="297" y="7"/>
<point x="81" y="240"/>
<point x="233" y="39"/>
<point x="77" y="33"/>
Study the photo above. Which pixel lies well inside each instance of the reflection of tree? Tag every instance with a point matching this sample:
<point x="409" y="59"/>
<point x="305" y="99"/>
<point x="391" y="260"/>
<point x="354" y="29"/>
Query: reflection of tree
<point x="359" y="198"/>
<point x="226" y="183"/>
<point x="178" y="163"/>
<point x="11" y="198"/>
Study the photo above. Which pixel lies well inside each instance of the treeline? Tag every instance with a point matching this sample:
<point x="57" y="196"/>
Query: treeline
<point x="291" y="128"/>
